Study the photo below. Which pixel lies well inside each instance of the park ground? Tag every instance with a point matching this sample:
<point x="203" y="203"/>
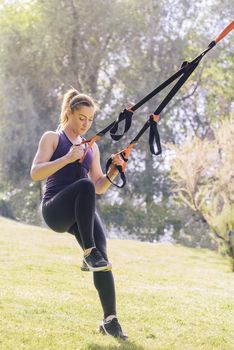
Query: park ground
<point x="169" y="297"/>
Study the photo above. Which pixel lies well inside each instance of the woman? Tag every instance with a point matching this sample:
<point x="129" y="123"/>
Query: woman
<point x="68" y="203"/>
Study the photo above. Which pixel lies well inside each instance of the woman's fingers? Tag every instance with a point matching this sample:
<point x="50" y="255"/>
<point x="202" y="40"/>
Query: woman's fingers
<point x="76" y="152"/>
<point x="117" y="160"/>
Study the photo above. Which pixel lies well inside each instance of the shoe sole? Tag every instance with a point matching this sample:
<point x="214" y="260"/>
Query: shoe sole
<point x="96" y="269"/>
<point x="83" y="268"/>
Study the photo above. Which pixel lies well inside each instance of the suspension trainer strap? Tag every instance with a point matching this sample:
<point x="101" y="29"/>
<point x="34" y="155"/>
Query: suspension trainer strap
<point x="154" y="118"/>
<point x="177" y="87"/>
<point x="126" y="115"/>
<point x="225" y="32"/>
<point x="154" y="138"/>
<point x="121" y="173"/>
<point x="124" y="154"/>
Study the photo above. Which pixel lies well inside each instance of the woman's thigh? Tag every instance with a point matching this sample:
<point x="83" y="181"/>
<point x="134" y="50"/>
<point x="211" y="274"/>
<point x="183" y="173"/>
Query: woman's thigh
<point x="59" y="212"/>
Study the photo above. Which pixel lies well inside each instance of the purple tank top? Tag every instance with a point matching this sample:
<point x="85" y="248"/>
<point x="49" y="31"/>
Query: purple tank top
<point x="69" y="173"/>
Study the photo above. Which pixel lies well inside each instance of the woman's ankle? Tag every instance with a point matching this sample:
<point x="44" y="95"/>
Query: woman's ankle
<point x="110" y="318"/>
<point x="88" y="251"/>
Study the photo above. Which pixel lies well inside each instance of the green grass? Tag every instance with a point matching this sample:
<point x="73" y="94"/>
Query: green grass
<point x="169" y="297"/>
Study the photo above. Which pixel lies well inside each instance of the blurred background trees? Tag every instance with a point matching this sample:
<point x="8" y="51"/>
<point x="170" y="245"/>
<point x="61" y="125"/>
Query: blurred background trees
<point x="202" y="171"/>
<point x="118" y="51"/>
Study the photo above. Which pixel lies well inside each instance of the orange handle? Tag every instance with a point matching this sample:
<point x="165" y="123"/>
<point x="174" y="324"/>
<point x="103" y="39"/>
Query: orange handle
<point x="126" y="152"/>
<point x="90" y="143"/>
<point x="228" y="29"/>
<point x="123" y="163"/>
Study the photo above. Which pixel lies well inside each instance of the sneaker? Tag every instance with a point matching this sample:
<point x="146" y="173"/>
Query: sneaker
<point x="112" y="328"/>
<point x="95" y="261"/>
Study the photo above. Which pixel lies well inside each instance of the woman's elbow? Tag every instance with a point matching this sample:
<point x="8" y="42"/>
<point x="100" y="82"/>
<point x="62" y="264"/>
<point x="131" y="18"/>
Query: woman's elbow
<point x="99" y="191"/>
<point x="34" y="174"/>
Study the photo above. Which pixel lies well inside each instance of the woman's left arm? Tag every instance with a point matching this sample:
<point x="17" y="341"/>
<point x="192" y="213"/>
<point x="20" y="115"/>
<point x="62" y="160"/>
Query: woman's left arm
<point x="99" y="179"/>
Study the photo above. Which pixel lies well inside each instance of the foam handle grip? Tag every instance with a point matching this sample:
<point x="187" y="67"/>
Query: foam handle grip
<point x="228" y="29"/>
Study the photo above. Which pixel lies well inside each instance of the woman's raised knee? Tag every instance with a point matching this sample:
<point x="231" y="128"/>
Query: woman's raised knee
<point x="86" y="186"/>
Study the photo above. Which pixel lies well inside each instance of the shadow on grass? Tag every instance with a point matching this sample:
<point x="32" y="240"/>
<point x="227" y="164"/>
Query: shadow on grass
<point x="122" y="345"/>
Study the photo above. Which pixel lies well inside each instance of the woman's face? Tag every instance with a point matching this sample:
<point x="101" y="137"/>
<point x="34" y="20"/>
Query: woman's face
<point x="81" y="120"/>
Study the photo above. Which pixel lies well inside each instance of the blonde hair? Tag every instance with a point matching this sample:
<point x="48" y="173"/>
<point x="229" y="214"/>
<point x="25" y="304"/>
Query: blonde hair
<point x="73" y="100"/>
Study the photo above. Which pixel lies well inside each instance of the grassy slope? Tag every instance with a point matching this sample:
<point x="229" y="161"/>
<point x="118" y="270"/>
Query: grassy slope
<point x="169" y="297"/>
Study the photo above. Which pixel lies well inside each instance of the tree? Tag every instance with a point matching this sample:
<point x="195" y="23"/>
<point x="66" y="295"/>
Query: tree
<point x="118" y="58"/>
<point x="202" y="171"/>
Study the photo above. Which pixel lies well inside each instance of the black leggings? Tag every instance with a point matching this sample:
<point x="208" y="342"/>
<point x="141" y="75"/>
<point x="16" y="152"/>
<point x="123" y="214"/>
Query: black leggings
<point x="73" y="210"/>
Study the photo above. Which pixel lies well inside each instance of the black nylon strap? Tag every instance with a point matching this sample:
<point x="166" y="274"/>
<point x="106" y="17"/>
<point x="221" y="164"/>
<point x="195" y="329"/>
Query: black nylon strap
<point x="158" y="89"/>
<point x="176" y="88"/>
<point x="154" y="135"/>
<point x="104" y="131"/>
<point x="122" y="175"/>
<point x="185" y="67"/>
<point x="141" y="132"/>
<point x="154" y="138"/>
<point x="125" y="115"/>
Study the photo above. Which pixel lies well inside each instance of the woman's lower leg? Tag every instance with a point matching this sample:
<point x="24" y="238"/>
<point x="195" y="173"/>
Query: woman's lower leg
<point x="104" y="283"/>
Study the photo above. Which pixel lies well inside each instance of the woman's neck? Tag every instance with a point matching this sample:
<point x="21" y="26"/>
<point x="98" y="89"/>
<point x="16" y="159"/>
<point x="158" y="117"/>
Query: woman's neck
<point x="72" y="135"/>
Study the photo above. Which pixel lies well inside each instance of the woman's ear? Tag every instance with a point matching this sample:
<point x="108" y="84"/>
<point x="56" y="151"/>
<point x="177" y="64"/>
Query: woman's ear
<point x="68" y="114"/>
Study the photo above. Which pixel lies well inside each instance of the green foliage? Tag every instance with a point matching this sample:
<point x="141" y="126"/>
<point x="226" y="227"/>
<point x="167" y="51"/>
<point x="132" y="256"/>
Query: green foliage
<point x="138" y="220"/>
<point x="193" y="230"/>
<point x="5" y="209"/>
<point x="22" y="203"/>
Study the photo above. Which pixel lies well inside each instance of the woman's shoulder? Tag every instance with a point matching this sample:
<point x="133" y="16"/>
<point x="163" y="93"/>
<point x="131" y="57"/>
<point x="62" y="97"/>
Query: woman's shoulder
<point x="50" y="134"/>
<point x="50" y="137"/>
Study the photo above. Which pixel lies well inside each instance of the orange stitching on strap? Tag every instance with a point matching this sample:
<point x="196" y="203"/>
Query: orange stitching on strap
<point x="155" y="117"/>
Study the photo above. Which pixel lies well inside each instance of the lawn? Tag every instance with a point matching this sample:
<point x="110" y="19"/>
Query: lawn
<point x="169" y="297"/>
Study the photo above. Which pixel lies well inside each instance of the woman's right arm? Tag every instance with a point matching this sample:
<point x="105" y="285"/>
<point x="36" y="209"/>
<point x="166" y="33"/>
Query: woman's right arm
<point x="42" y="167"/>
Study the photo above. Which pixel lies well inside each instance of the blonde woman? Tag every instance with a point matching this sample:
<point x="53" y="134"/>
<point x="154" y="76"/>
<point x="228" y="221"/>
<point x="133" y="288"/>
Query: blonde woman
<point x="68" y="203"/>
